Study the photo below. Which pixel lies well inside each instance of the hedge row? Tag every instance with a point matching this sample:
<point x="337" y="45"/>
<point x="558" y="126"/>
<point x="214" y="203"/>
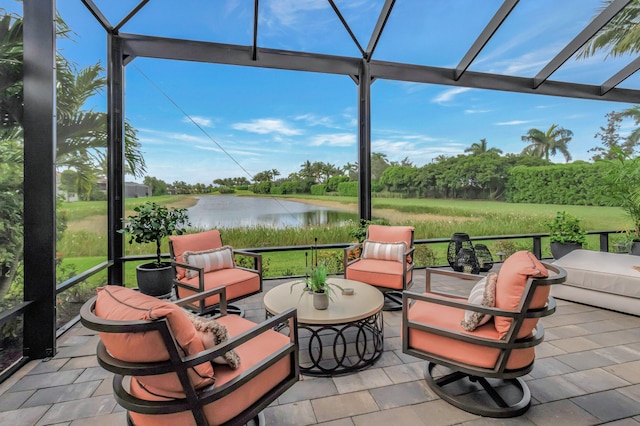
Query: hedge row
<point x="576" y="183"/>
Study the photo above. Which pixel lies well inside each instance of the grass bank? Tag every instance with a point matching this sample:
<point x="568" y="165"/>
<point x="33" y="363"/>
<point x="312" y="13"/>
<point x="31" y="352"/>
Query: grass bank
<point x="85" y="240"/>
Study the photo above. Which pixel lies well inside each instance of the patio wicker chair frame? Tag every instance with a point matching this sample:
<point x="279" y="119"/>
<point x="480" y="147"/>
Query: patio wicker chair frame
<point x="462" y="371"/>
<point x="392" y="296"/>
<point x="202" y="308"/>
<point x="194" y="400"/>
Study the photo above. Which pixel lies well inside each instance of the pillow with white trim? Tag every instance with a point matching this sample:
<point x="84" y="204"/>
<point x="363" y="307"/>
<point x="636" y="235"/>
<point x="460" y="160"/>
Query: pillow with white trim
<point x="384" y="251"/>
<point x="484" y="294"/>
<point x="208" y="260"/>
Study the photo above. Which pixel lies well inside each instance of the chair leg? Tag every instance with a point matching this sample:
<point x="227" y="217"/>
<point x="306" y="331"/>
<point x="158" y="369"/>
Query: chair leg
<point x="487" y="401"/>
<point x="392" y="301"/>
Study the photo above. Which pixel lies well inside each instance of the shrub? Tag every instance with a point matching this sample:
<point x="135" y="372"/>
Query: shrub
<point x="565" y="228"/>
<point x="424" y="256"/>
<point x="319" y="189"/>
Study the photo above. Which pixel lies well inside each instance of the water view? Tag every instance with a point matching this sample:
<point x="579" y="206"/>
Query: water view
<point x="226" y="211"/>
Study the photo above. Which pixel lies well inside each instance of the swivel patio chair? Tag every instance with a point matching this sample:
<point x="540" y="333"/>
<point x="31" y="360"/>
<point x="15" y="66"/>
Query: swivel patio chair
<point x="478" y="353"/>
<point x="169" y="371"/>
<point x="201" y="262"/>
<point x="385" y="260"/>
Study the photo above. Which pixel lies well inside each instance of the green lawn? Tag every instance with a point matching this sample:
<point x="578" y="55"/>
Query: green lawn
<point x="444" y="217"/>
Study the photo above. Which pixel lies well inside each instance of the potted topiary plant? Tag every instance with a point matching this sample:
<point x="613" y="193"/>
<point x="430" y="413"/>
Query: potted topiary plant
<point x="565" y="234"/>
<point x="151" y="223"/>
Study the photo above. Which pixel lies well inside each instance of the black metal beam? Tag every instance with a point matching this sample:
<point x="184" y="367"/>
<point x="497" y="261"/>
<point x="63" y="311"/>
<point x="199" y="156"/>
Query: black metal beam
<point x="590" y="30"/>
<point x="130" y="15"/>
<point x="377" y="30"/>
<point x="364" y="141"/>
<point x="485" y="36"/>
<point x="620" y="76"/>
<point x="232" y="54"/>
<point x="97" y="13"/>
<point x="165" y="48"/>
<point x="254" y="46"/>
<point x="115" y="157"/>
<point x="347" y="27"/>
<point x="39" y="128"/>
<point x="477" y="80"/>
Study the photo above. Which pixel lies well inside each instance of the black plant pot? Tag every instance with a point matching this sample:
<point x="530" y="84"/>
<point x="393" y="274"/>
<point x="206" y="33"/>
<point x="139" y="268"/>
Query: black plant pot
<point x="559" y="250"/>
<point x="635" y="248"/>
<point x="155" y="281"/>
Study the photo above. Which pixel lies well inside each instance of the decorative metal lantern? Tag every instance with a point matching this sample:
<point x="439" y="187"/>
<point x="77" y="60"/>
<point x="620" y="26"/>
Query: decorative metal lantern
<point x="485" y="260"/>
<point x="467" y="262"/>
<point x="458" y="241"/>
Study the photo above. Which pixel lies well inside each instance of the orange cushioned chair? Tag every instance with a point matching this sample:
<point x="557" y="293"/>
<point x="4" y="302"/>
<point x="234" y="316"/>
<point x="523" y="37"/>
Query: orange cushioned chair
<point x="167" y="373"/>
<point x="385" y="260"/>
<point x="201" y="262"/>
<point x="438" y="327"/>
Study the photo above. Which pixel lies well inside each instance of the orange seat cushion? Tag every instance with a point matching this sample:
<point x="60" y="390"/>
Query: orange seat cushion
<point x="512" y="280"/>
<point x="380" y="273"/>
<point x="193" y="242"/>
<point x="237" y="282"/>
<point x="473" y="354"/>
<point x="124" y="304"/>
<point x="226" y="408"/>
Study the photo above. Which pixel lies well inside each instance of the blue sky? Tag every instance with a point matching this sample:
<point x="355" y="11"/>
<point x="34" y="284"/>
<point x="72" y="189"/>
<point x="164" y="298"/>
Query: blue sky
<point x="198" y="122"/>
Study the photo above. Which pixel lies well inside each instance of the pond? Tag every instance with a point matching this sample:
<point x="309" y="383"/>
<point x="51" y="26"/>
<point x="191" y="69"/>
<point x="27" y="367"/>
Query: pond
<point x="227" y="211"/>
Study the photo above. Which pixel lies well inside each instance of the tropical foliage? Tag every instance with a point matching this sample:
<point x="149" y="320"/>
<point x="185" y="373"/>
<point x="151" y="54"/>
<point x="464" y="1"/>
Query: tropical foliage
<point x="621" y="182"/>
<point x="544" y="144"/>
<point x="481" y="147"/>
<point x="565" y="228"/>
<point x="621" y="35"/>
<point x="81" y="135"/>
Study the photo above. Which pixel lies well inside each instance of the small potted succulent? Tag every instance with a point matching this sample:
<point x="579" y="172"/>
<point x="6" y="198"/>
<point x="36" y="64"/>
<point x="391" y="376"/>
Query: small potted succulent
<point x="151" y="223"/>
<point x="565" y="234"/>
<point x="317" y="284"/>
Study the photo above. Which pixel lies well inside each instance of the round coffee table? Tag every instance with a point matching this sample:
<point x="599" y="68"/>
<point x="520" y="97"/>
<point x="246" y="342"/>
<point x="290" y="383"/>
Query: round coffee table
<point x="345" y="338"/>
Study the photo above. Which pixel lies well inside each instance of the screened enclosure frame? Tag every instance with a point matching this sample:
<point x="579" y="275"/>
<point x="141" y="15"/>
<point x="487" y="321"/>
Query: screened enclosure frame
<point x="123" y="48"/>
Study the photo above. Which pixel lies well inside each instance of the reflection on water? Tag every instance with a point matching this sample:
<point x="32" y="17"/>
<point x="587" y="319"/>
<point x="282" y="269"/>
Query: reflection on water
<point x="226" y="211"/>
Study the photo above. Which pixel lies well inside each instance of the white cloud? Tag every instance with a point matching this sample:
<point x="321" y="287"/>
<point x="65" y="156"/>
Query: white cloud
<point x="264" y="126"/>
<point x="476" y="111"/>
<point x="288" y="12"/>
<point x="334" y="139"/>
<point x="512" y="122"/>
<point x="200" y="121"/>
<point x="449" y="94"/>
<point x="316" y="120"/>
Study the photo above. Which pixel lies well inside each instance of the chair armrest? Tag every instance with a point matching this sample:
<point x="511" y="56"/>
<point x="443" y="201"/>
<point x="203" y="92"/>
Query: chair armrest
<point x="175" y="265"/>
<point x="347" y="251"/>
<point x="222" y="291"/>
<point x="465" y="336"/>
<point x="446" y="272"/>
<point x="257" y="260"/>
<point x="456" y="302"/>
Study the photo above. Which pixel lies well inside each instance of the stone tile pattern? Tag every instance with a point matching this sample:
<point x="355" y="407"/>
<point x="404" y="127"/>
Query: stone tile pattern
<point x="587" y="372"/>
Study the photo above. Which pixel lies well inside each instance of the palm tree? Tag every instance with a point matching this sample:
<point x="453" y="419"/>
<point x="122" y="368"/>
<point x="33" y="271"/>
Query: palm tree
<point x="621" y="35"/>
<point x="480" y="148"/>
<point x="81" y="134"/>
<point x="633" y="113"/>
<point x="542" y="144"/>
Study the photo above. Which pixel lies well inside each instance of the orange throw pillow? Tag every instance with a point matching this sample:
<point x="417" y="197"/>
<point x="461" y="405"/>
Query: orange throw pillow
<point x="512" y="280"/>
<point x="124" y="304"/>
